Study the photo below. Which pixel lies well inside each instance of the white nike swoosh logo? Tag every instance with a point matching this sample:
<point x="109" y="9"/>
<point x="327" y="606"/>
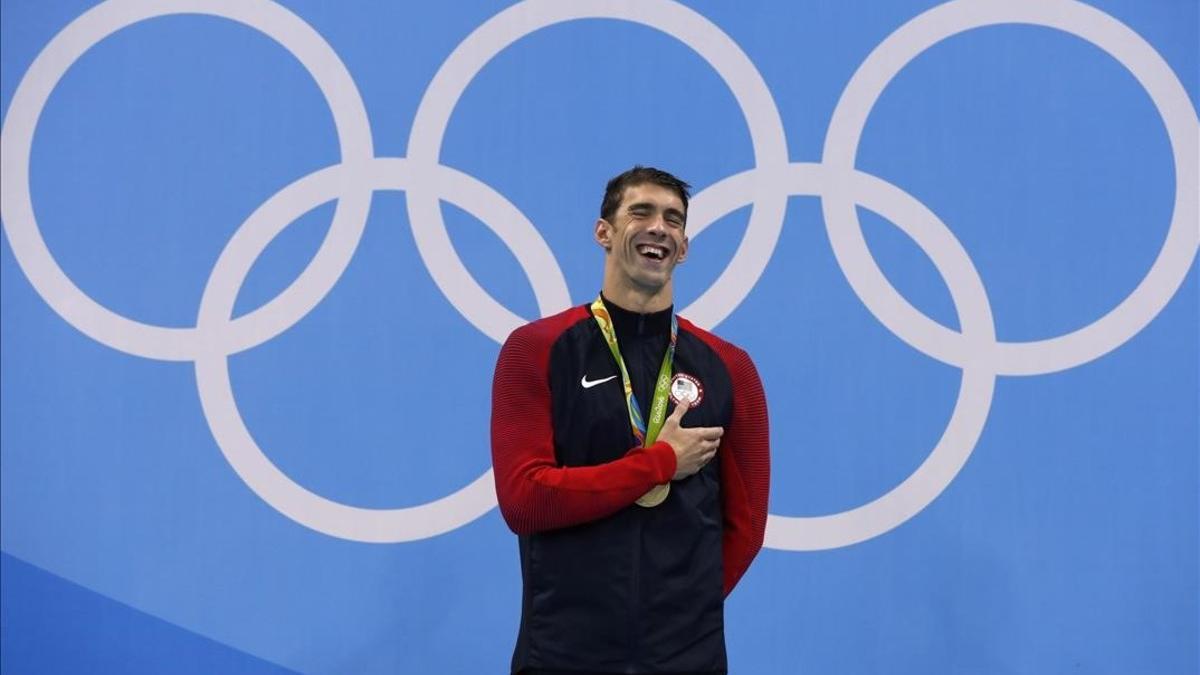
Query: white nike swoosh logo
<point x="588" y="384"/>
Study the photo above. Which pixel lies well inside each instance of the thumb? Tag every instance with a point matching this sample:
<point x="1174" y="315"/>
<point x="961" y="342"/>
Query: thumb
<point x="678" y="412"/>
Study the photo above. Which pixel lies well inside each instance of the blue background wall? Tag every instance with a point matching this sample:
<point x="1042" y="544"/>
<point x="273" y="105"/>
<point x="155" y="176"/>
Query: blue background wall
<point x="138" y="532"/>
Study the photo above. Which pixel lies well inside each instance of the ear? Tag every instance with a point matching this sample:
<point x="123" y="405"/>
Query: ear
<point x="683" y="250"/>
<point x="603" y="234"/>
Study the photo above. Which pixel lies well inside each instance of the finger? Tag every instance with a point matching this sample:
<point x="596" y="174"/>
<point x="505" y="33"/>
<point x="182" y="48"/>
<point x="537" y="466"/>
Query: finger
<point x="710" y="433"/>
<point x="677" y="413"/>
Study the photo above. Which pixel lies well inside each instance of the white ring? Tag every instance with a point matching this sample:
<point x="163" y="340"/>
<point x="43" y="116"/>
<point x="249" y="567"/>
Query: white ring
<point x="1037" y="356"/>
<point x="971" y="408"/>
<point x="16" y="206"/>
<point x="510" y="25"/>
<point x="766" y="187"/>
<point x="216" y="307"/>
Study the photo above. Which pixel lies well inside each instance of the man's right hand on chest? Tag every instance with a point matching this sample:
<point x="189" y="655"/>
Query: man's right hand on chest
<point x="694" y="446"/>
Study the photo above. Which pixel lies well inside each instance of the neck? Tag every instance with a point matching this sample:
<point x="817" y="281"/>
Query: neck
<point x="637" y="299"/>
<point x="634" y="324"/>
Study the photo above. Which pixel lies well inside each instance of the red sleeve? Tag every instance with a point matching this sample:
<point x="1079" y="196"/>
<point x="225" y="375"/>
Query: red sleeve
<point x="536" y="494"/>
<point x="745" y="462"/>
<point x="745" y="471"/>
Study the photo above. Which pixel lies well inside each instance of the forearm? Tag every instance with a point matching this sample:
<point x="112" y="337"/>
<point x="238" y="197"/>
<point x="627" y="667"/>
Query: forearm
<point x="744" y="524"/>
<point x="536" y="495"/>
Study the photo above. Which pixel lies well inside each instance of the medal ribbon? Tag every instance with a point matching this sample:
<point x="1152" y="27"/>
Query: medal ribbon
<point x="658" y="405"/>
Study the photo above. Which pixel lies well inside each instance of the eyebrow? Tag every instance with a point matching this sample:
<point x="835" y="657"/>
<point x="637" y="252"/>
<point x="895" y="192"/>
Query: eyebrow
<point x="648" y="206"/>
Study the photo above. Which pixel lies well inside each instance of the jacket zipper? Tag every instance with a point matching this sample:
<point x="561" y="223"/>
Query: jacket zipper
<point x="638" y="347"/>
<point x="635" y="618"/>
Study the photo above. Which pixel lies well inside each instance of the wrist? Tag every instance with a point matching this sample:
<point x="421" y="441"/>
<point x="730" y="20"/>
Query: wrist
<point x="665" y="461"/>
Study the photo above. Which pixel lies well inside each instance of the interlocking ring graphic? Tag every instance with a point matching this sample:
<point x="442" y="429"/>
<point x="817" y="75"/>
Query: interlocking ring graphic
<point x="766" y="187"/>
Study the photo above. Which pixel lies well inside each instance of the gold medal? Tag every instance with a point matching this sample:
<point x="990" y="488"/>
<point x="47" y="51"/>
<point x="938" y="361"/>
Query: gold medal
<point x="656" y="495"/>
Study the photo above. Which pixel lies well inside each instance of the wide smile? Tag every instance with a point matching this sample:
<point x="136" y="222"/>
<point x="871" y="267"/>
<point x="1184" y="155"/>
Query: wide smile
<point x="655" y="252"/>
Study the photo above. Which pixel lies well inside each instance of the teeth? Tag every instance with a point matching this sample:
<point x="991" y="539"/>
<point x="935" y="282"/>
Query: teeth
<point x="657" y="252"/>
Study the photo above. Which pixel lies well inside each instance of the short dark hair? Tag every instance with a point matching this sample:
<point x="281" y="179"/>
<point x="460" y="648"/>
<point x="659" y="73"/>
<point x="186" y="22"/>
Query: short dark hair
<point x="640" y="175"/>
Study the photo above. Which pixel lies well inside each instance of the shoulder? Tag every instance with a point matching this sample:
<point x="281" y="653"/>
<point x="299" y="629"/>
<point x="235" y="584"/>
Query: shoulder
<point x="526" y="351"/>
<point x="734" y="357"/>
<point x="543" y="332"/>
<point x="743" y="375"/>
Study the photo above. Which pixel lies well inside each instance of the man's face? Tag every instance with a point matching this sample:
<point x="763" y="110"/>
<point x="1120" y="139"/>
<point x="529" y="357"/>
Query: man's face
<point x="646" y="239"/>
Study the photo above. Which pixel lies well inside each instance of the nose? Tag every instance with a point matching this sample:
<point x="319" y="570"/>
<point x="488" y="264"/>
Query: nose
<point x="658" y="225"/>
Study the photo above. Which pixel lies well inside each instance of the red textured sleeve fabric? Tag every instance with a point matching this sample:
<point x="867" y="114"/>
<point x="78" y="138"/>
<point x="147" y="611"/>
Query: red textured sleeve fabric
<point x="745" y="470"/>
<point x="745" y="462"/>
<point x="535" y="494"/>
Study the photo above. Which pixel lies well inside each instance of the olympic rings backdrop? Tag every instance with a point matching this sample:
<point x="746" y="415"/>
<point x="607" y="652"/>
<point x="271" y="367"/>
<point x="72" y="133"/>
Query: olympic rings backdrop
<point x="258" y="259"/>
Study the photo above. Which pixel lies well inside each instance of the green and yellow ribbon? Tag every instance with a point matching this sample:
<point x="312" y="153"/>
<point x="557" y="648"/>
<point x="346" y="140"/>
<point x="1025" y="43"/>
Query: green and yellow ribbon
<point x="646" y="435"/>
